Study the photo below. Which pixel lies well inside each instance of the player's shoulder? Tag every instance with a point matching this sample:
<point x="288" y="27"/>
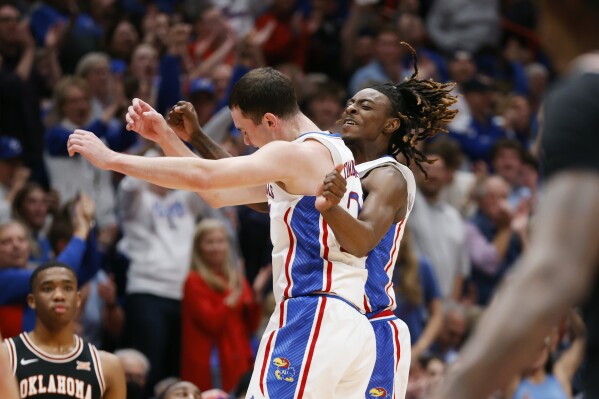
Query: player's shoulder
<point x="385" y="177"/>
<point x="110" y="363"/>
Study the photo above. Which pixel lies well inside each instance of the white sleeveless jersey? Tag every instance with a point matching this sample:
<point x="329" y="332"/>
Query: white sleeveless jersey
<point x="306" y="256"/>
<point x="381" y="259"/>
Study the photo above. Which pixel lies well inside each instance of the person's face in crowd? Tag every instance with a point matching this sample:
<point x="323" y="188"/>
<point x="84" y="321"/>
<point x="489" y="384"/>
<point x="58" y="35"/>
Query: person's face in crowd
<point x="434" y="372"/>
<point x="8" y="169"/>
<point x="462" y="68"/>
<point x="364" y="49"/>
<point x="508" y="164"/>
<point x="453" y="331"/>
<point x="77" y="107"/>
<point x="480" y="102"/>
<point x="253" y="135"/>
<point x="211" y="24"/>
<point x="55" y="297"/>
<point x="135" y="372"/>
<point x="125" y="38"/>
<point x="411" y="29"/>
<point x="9" y="19"/>
<point x="144" y="62"/>
<point x="438" y="177"/>
<point x="493" y="202"/>
<point x="221" y="77"/>
<point x="518" y="114"/>
<point x="388" y="48"/>
<point x="324" y="110"/>
<point x="213" y="248"/>
<point x="14" y="246"/>
<point x="537" y="83"/>
<point x="35" y="208"/>
<point x="98" y="79"/>
<point x="204" y="103"/>
<point x="183" y="390"/>
<point x="529" y="176"/>
<point x="365" y="116"/>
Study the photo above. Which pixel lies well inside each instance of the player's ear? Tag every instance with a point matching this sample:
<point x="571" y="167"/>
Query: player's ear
<point x="270" y="120"/>
<point x="31" y="301"/>
<point x="391" y="125"/>
<point x="78" y="299"/>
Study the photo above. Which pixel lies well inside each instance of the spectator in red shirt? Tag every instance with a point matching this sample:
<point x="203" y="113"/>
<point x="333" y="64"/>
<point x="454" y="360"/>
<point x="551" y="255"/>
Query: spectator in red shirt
<point x="220" y="310"/>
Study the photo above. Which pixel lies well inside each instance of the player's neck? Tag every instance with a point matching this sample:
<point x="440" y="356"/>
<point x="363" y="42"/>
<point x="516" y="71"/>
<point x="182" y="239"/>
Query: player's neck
<point x="365" y="152"/>
<point x="304" y="125"/>
<point x="54" y="340"/>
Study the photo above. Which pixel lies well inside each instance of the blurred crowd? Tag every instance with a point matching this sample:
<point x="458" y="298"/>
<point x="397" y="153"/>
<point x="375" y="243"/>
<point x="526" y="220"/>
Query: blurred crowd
<point x="181" y="290"/>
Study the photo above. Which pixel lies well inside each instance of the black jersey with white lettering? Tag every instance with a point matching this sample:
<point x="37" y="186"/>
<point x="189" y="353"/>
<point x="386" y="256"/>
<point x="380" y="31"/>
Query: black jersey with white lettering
<point x="41" y="375"/>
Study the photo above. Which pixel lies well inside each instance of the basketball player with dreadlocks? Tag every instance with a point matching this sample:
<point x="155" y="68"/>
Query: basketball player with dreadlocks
<point x="380" y="123"/>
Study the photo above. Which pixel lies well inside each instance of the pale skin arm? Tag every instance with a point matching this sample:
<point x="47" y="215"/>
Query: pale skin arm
<point x="556" y="273"/>
<point x="114" y="376"/>
<point x="183" y="125"/>
<point x="8" y="383"/>
<point x="387" y="196"/>
<point x="431" y="330"/>
<point x="299" y="167"/>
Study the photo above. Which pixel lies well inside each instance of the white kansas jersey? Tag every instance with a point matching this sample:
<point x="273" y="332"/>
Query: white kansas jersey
<point x="306" y="256"/>
<point x="381" y="259"/>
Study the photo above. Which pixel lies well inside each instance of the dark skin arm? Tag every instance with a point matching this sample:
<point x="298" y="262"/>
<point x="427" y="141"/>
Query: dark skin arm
<point x="386" y="198"/>
<point x="556" y="273"/>
<point x="184" y="121"/>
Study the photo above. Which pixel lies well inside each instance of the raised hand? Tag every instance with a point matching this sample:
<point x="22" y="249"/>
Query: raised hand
<point x="91" y="148"/>
<point x="144" y="120"/>
<point x="183" y="119"/>
<point x="331" y="190"/>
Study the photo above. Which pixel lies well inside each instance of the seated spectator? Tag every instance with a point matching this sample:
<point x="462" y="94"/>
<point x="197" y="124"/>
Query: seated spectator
<point x="418" y="297"/>
<point x="453" y="332"/>
<point x="220" y="310"/>
<point x="182" y="389"/>
<point x="15" y="316"/>
<point x="136" y="367"/>
<point x="517" y="120"/>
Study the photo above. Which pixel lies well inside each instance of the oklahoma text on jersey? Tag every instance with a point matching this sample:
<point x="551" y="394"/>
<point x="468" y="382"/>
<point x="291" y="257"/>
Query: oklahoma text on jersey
<point x="59" y="384"/>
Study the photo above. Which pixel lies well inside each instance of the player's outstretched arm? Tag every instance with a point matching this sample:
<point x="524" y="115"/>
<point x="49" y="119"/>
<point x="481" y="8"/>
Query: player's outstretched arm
<point x="297" y="164"/>
<point x="387" y="195"/>
<point x="183" y="119"/>
<point x="114" y="376"/>
<point x="555" y="273"/>
<point x="8" y="383"/>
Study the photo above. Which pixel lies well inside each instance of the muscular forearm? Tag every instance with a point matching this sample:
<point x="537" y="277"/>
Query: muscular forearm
<point x="354" y="236"/>
<point x="207" y="147"/>
<point x="555" y="274"/>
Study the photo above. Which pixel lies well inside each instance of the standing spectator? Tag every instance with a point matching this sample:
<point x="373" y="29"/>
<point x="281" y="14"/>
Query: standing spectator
<point x="13" y="176"/>
<point x="493" y="245"/>
<point x="157" y="225"/>
<point x="507" y="159"/>
<point x="30" y="207"/>
<point x="478" y="135"/>
<point x="220" y="310"/>
<point x="386" y="65"/>
<point x="438" y="230"/>
<point x="289" y="38"/>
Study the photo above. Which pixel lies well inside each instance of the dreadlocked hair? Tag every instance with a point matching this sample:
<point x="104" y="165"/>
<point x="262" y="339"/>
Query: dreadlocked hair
<point x="423" y="107"/>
